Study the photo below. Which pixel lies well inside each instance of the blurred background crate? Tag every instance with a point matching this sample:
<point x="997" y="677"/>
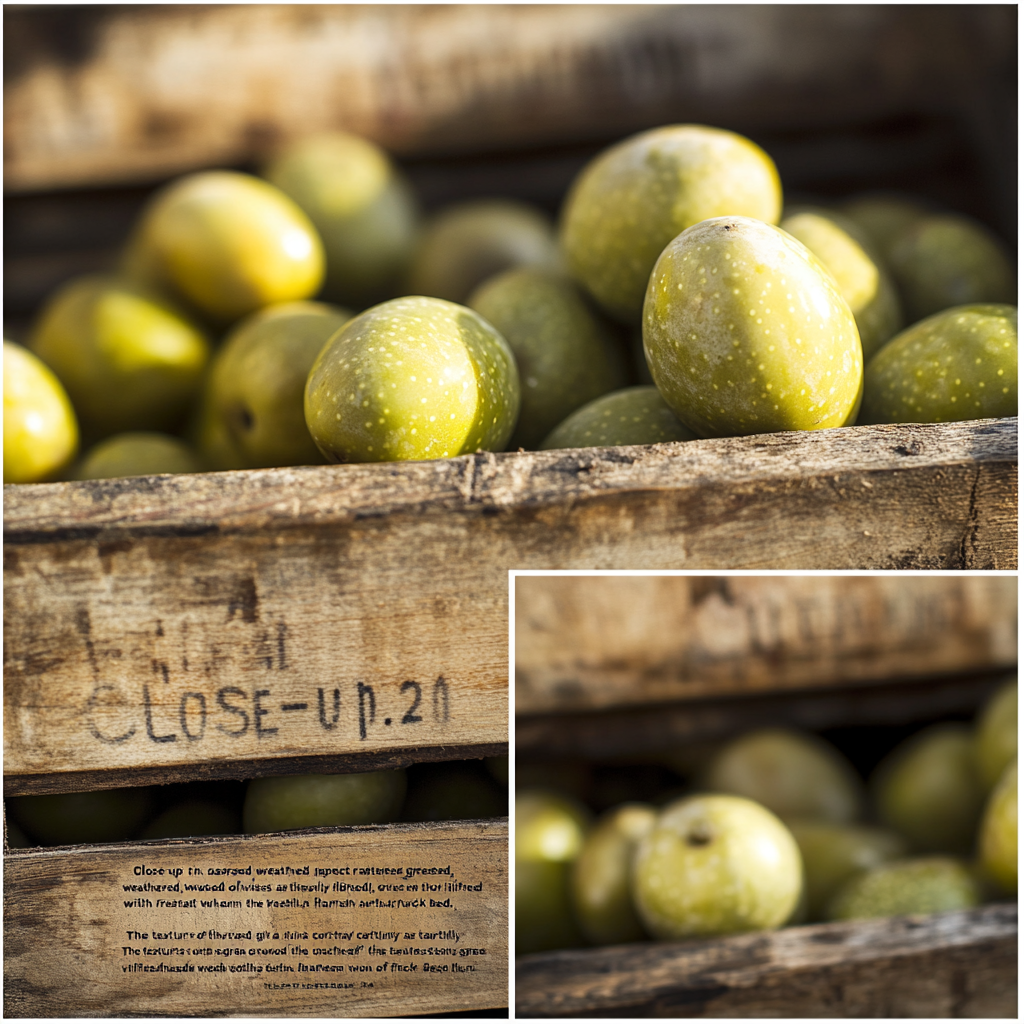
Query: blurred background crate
<point x="105" y="102"/>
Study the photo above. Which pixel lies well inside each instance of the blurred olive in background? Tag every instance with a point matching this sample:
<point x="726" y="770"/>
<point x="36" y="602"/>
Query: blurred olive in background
<point x="278" y="803"/>
<point x="950" y="260"/>
<point x="40" y="427"/>
<point x="794" y="774"/>
<point x="361" y="206"/>
<point x="997" y="839"/>
<point x="128" y="358"/>
<point x="995" y="734"/>
<point x="601" y="879"/>
<point x="466" y="243"/>
<point x="549" y="834"/>
<point x="102" y="816"/>
<point x="141" y="453"/>
<point x="227" y="244"/>
<point x="193" y="818"/>
<point x="928" y="789"/>
<point x="452" y="790"/>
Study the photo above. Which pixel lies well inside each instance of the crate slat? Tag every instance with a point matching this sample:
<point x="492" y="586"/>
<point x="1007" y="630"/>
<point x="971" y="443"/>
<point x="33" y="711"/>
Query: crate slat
<point x="957" y="964"/>
<point x="210" y="608"/>
<point x="584" y="644"/>
<point x="68" y="951"/>
<point x="102" y="95"/>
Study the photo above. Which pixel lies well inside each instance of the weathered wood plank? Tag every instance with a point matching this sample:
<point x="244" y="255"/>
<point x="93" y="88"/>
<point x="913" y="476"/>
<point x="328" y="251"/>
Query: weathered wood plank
<point x="585" y="643"/>
<point x="642" y="729"/>
<point x="958" y="964"/>
<point x="334" y="928"/>
<point x="102" y="95"/>
<point x="176" y="621"/>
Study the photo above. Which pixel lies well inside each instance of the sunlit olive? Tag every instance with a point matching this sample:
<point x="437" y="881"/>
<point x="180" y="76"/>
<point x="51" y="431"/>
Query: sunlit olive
<point x="227" y="243"/>
<point x="40" y="428"/>
<point x="128" y="358"/>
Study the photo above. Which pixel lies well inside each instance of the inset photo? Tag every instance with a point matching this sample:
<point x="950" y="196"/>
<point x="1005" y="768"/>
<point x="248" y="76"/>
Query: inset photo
<point x="765" y="796"/>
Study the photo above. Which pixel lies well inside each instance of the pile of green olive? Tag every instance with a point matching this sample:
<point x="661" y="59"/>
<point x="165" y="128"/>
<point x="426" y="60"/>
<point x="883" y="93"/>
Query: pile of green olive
<point x="775" y="828"/>
<point x="441" y="791"/>
<point x="676" y="299"/>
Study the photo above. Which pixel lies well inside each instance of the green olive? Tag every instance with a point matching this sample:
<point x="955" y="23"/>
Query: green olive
<point x="792" y="773"/>
<point x="629" y="416"/>
<point x="101" y="816"/>
<point x="960" y="364"/>
<point x="40" y="428"/>
<point x="715" y="865"/>
<point x="995" y="734"/>
<point x="413" y="378"/>
<point x="863" y="282"/>
<point x="928" y="789"/>
<point x="252" y="413"/>
<point x="833" y="853"/>
<point x="919" y="885"/>
<point x="549" y="835"/>
<point x="601" y="875"/>
<point x="138" y="454"/>
<point x="997" y="836"/>
<point x="466" y="243"/>
<point x="362" y="208"/>
<point x="452" y="790"/>
<point x="193" y="818"/>
<point x="883" y="217"/>
<point x="950" y="260"/>
<point x="746" y="332"/>
<point x="631" y="201"/>
<point x="565" y="356"/>
<point x="227" y="243"/>
<point x="278" y="803"/>
<point x="129" y="359"/>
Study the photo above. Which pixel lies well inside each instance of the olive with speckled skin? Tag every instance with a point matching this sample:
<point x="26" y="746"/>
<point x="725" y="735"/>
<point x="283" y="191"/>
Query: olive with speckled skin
<point x="631" y="201"/>
<point x="715" y="865"/>
<point x="251" y="413"/>
<point x="746" y="332"/>
<point x="864" y="283"/>
<point x="949" y="260"/>
<point x="917" y="885"/>
<point x="140" y="453"/>
<point x="362" y="207"/>
<point x="412" y="378"/>
<point x="565" y="355"/>
<point x="227" y="243"/>
<point x="630" y="416"/>
<point x="466" y="243"/>
<point x="960" y="364"/>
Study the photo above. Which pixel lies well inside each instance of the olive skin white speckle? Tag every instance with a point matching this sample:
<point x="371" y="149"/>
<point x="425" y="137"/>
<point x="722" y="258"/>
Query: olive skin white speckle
<point x="716" y="865"/>
<point x="746" y="332"/>
<point x="412" y="378"/>
<point x="960" y="364"/>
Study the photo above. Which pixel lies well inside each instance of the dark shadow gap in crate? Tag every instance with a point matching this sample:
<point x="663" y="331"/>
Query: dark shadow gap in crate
<point x="626" y="730"/>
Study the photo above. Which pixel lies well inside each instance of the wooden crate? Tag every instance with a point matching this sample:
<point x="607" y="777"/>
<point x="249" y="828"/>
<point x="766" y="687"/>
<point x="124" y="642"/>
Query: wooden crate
<point x="617" y="669"/>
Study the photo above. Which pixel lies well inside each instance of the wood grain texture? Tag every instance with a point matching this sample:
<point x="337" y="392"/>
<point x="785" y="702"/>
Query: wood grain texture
<point x="210" y="608"/>
<point x="114" y="94"/>
<point x="585" y="643"/>
<point x="959" y="964"/>
<point x="67" y="942"/>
